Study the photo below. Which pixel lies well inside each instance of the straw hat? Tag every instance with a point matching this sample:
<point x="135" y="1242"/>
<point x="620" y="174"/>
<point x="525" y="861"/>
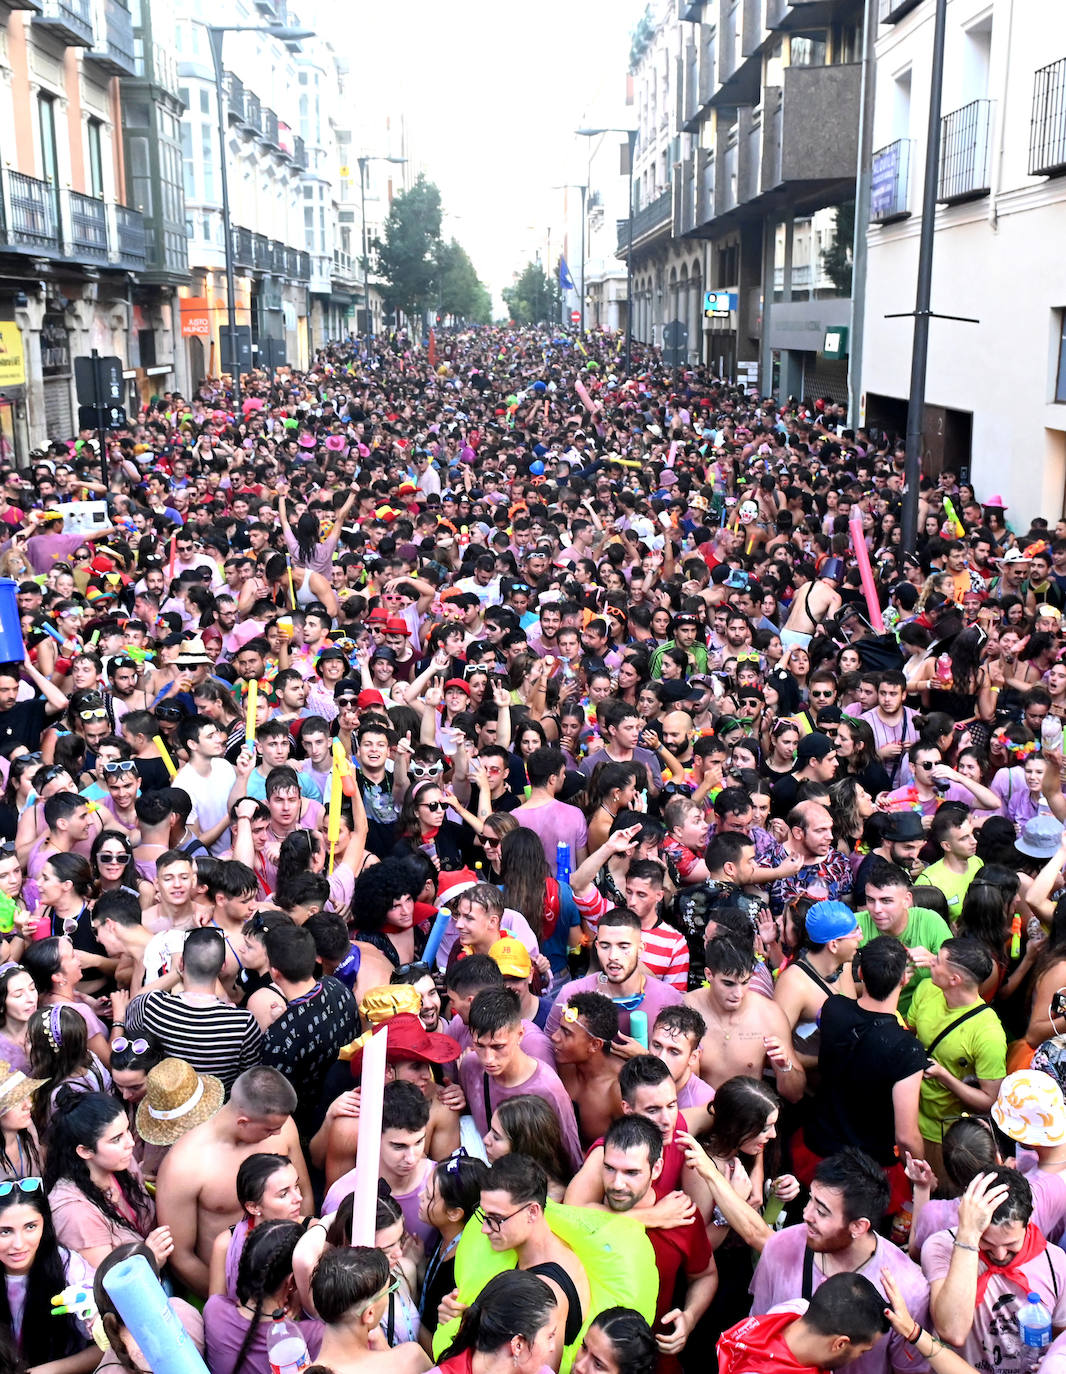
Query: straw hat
<point x="177" y="1099"/>
<point x="15" y="1087"/>
<point x="193" y="651"/>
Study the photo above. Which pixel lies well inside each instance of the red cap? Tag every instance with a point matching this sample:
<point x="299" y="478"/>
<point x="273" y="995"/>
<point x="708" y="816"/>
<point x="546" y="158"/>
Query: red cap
<point x="378" y="616"/>
<point x="396" y="625"/>
<point x="458" y="682"/>
<point x="368" y="697"/>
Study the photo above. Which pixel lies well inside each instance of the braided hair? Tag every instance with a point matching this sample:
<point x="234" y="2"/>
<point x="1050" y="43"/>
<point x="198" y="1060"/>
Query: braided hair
<point x="266" y="1262"/>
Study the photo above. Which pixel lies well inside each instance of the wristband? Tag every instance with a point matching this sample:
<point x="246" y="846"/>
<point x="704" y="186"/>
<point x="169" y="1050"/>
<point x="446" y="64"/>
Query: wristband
<point x="915" y="1335"/>
<point x="961" y="1245"/>
<point x="118" y="1025"/>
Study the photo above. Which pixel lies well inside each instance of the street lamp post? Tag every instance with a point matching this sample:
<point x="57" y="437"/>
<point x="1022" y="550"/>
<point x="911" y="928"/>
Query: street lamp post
<point x="631" y="134"/>
<point x="363" y="161"/>
<point x="576" y="186"/>
<point x="216" y="33"/>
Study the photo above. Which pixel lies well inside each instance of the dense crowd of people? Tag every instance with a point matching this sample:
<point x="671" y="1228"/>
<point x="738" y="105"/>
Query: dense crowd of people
<point x="710" y="892"/>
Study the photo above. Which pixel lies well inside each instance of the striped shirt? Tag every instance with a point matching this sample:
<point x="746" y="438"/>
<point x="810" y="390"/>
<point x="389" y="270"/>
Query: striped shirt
<point x="213" y="1037"/>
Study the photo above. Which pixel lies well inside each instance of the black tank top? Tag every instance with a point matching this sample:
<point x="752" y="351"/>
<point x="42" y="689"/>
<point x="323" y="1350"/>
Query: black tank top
<point x="551" y="1269"/>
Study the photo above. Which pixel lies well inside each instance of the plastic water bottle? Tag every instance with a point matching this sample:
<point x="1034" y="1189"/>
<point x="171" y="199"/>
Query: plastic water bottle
<point x="1034" y="1324"/>
<point x="287" y="1349"/>
<point x="562" y="862"/>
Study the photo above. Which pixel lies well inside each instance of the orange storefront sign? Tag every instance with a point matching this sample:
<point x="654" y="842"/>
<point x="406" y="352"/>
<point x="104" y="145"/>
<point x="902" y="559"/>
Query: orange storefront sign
<point x="195" y="317"/>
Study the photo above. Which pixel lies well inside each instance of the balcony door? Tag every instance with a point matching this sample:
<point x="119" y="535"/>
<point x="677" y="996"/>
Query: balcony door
<point x="46" y="106"/>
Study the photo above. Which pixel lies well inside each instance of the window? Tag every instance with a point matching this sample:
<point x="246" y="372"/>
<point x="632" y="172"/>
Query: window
<point x="96" y="159"/>
<point x="809" y="50"/>
<point x="1060" y="377"/>
<point x="976" y="58"/>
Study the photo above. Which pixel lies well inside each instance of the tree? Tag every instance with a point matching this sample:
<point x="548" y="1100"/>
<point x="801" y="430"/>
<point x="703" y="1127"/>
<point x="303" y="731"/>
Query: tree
<point x="407" y="255"/>
<point x="836" y="259"/>
<point x="534" y="298"/>
<point x="460" y="293"/>
<point x="641" y="39"/>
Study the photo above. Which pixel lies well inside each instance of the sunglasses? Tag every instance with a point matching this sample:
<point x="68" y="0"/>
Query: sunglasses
<point x="169" y="713"/>
<point x="433" y="806"/>
<point x="420" y="968"/>
<point x="93" y="713"/>
<point x="120" y="766"/>
<point x="112" y="856"/>
<point x="24" y="1185"/>
<point x="493" y="1222"/>
<point x="427" y="770"/>
<point x="120" y="1045"/>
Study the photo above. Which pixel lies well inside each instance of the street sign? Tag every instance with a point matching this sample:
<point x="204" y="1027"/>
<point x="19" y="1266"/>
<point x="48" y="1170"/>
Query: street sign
<point x="102" y="417"/>
<point x="675" y="343"/>
<point x="575" y="316"/>
<point x="103" y="373"/>
<point x="835" y="342"/>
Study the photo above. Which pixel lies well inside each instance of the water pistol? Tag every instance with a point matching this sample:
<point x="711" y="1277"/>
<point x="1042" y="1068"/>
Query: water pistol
<point x="1016" y="936"/>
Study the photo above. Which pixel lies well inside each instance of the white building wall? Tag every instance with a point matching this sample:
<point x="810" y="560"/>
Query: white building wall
<point x="999" y="258"/>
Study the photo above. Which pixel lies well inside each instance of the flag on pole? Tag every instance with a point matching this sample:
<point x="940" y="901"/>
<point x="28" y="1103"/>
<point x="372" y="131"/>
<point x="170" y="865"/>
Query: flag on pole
<point x="566" y="281"/>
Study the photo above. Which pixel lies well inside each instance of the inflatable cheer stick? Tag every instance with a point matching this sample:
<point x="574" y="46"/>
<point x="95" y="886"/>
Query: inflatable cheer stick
<point x="372" y="1091"/>
<point x="869" y="587"/>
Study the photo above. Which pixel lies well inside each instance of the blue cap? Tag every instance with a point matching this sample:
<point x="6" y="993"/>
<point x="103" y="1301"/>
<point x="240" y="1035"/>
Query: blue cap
<point x="830" y="921"/>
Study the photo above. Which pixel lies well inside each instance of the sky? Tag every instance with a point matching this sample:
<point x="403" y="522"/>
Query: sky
<point x="492" y="91"/>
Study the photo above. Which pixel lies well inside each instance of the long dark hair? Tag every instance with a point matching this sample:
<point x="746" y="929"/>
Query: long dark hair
<point x="534" y="1131"/>
<point x="81" y="1119"/>
<point x="129" y="876"/>
<point x="524" y="875"/>
<point x="44" y="1337"/>
<point x="255" y="1171"/>
<point x="265" y="1263"/>
<point x="59" y="1049"/>
<point x="739" y="1111"/>
<point x="295" y="855"/>
<point x="307" y="534"/>
<point x="515" y="1303"/>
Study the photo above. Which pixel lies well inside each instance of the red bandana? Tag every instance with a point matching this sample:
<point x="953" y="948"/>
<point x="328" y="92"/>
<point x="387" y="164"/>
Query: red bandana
<point x="1034" y="1244"/>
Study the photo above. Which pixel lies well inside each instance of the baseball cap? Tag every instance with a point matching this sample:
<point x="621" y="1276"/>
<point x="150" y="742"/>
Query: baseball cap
<point x="368" y="697"/>
<point x="814" y="746"/>
<point x="511" y="957"/>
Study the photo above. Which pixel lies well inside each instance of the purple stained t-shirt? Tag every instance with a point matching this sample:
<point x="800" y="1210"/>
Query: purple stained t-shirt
<point x="657" y="995"/>
<point x="779" y="1279"/>
<point x="553" y="822"/>
<point x="407" y="1203"/>
<point x="543" y="1082"/>
<point x="535" y="1043"/>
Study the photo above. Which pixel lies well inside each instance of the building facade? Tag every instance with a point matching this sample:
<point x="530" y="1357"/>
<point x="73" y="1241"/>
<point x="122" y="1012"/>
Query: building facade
<point x="996" y="389"/>
<point x="81" y="266"/>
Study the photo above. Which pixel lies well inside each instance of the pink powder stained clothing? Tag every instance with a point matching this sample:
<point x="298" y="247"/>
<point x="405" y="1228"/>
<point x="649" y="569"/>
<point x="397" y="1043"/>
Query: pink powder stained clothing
<point x="779" y="1279"/>
<point x="407" y="1202"/>
<point x="543" y="1082"/>
<point x="995" y="1320"/>
<point x="535" y="1043"/>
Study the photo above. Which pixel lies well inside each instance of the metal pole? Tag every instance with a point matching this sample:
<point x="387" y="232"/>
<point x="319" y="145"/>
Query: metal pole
<point x="216" y="36"/>
<point x="920" y="348"/>
<point x="366" y="254"/>
<point x="629" y="256"/>
<point x="863" y="177"/>
<point x="584" y="192"/>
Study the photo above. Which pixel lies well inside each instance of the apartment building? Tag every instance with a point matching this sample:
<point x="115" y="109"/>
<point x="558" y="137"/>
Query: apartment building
<point x="767" y="107"/>
<point x="996" y="389"/>
<point x="81" y="264"/>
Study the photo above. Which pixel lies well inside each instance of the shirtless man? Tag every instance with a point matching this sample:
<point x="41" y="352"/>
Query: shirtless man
<point x="822" y="967"/>
<point x="744" y="1029"/>
<point x="197" y="1187"/>
<point x="175" y="883"/>
<point x="582" y="1043"/>
<point x="411" y="1053"/>
<point x="816" y="602"/>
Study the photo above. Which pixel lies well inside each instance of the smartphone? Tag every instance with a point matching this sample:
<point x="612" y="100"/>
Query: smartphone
<point x="1058" y="1003"/>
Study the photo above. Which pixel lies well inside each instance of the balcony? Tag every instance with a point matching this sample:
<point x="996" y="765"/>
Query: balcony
<point x="685" y="182"/>
<point x="299" y="153"/>
<point x="88" y="228"/>
<point x="292" y="263"/>
<point x="788" y="16"/>
<point x="965" y="153"/>
<point x="890" y="182"/>
<point x="1047" y="131"/>
<point x="158" y="67"/>
<point x="34" y="6"/>
<point x="689" y="10"/>
<point x="277" y="258"/>
<point x="30" y="214"/>
<point x="268" y="125"/>
<point x="688" y="103"/>
<point x="815" y="141"/>
<point x="132" y="241"/>
<point x="113" y="51"/>
<point x="303" y="267"/>
<point x="253" y="110"/>
<point x="234" y="87"/>
<point x="70" y="20"/>
<point x="241" y="246"/>
<point x="261" y="252"/>
<point x="268" y="9"/>
<point x="739" y="70"/>
<point x="892" y="11"/>
<point x="654" y="219"/>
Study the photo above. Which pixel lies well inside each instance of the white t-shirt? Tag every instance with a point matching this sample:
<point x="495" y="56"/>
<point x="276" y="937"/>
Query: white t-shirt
<point x="209" y="797"/>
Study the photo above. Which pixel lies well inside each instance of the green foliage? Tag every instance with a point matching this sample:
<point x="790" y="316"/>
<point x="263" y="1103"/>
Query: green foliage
<point x="534" y="298"/>
<point x="836" y="259"/>
<point x="407" y="255"/>
<point x="640" y="39"/>
<point x="460" y="293"/>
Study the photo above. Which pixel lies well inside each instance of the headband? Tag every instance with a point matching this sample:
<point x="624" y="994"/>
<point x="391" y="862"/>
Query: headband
<point x="53" y="1029"/>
